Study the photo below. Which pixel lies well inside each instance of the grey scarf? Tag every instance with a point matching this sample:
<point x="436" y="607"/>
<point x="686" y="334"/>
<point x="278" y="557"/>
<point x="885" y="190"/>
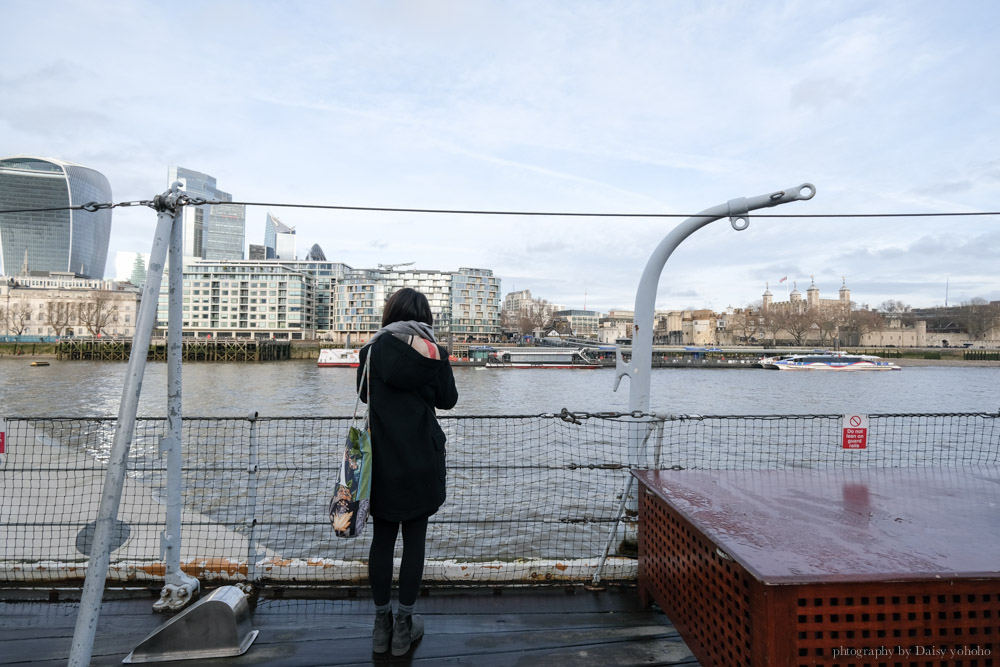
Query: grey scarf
<point x="408" y="327"/>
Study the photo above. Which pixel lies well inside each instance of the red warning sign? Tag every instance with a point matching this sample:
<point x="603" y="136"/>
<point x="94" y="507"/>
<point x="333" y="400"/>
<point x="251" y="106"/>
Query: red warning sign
<point x="855" y="429"/>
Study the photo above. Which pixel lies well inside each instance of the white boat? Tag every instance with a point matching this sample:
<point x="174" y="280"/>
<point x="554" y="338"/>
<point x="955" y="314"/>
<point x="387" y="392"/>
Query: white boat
<point x="831" y="361"/>
<point x="338" y="358"/>
<point x="539" y="357"/>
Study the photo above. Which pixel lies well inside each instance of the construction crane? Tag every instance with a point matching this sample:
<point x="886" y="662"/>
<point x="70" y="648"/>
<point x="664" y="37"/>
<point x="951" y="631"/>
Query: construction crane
<point x="392" y="267"/>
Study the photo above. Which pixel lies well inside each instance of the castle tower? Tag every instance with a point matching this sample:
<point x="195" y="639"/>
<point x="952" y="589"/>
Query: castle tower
<point x="812" y="295"/>
<point x="766" y="299"/>
<point x="795" y="299"/>
<point x="845" y="294"/>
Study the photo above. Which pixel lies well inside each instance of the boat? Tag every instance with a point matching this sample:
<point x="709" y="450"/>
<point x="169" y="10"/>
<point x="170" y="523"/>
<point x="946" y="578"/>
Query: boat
<point x="539" y="357"/>
<point x="39" y="363"/>
<point x="831" y="361"/>
<point x="338" y="358"/>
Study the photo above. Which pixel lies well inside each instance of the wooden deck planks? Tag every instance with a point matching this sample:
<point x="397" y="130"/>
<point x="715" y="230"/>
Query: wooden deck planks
<point x="524" y="627"/>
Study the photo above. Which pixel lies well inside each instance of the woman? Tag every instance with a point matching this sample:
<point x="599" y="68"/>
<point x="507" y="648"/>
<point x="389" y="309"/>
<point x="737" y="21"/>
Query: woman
<point x="410" y="376"/>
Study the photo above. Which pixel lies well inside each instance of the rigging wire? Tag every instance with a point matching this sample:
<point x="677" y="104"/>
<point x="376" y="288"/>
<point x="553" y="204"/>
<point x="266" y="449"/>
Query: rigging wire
<point x="95" y="206"/>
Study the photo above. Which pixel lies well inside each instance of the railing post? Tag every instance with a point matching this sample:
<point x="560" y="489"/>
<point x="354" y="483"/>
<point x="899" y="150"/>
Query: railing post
<point x="640" y="364"/>
<point x="179" y="589"/>
<point x="100" y="553"/>
<point x="251" y="519"/>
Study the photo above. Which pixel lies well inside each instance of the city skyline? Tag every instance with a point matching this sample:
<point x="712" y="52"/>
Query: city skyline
<point x="601" y="107"/>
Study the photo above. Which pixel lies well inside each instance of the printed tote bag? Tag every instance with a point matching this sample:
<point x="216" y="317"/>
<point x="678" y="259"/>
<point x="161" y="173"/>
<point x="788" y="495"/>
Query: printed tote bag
<point x="350" y="503"/>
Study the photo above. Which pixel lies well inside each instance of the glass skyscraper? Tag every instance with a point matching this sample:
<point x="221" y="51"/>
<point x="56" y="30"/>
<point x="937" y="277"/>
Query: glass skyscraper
<point x="216" y="232"/>
<point x="41" y="242"/>
<point x="279" y="239"/>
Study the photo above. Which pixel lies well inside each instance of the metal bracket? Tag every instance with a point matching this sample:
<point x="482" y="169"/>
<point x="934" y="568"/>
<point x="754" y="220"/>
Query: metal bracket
<point x="738" y="210"/>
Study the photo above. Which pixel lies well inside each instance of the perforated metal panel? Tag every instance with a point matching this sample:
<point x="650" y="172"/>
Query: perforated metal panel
<point x="705" y="595"/>
<point x="905" y="623"/>
<point x="729" y="617"/>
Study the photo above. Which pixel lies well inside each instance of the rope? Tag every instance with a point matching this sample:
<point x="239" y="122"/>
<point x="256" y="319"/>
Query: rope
<point x="198" y="201"/>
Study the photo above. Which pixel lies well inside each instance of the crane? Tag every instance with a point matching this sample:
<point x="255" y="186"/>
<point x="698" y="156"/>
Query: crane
<point x="392" y="267"/>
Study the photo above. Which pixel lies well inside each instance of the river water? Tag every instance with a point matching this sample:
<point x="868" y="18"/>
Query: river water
<point x="488" y="459"/>
<point x="301" y="389"/>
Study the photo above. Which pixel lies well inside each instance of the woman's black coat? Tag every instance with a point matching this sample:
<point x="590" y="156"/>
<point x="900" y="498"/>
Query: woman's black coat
<point x="408" y="470"/>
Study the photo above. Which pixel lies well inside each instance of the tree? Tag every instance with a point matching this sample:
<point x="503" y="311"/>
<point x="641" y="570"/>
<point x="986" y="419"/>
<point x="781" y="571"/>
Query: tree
<point x="798" y="325"/>
<point x="17" y="316"/>
<point x="978" y="316"/>
<point x="57" y="315"/>
<point x="97" y="313"/>
<point x="893" y="307"/>
<point x="745" y="323"/>
<point x="828" y="322"/>
<point x="858" y="323"/>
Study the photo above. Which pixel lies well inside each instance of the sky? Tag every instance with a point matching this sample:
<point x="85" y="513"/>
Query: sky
<point x="668" y="107"/>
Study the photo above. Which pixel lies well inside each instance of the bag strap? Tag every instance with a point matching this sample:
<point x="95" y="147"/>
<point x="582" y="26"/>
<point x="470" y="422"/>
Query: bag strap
<point x="368" y="385"/>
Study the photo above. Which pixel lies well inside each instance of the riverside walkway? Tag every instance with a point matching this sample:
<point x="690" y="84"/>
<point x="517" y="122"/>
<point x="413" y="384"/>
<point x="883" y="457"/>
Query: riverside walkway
<point x="564" y="626"/>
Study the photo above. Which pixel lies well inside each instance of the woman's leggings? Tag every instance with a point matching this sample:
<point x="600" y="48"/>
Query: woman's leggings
<point x="380" y="559"/>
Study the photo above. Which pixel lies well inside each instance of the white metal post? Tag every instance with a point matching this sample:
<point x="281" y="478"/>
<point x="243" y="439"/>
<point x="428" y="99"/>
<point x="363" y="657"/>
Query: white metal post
<point x="639" y="367"/>
<point x="100" y="553"/>
<point x="179" y="589"/>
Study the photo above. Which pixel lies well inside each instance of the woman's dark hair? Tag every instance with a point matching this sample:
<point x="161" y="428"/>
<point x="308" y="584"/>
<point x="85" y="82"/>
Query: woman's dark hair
<point x="407" y="304"/>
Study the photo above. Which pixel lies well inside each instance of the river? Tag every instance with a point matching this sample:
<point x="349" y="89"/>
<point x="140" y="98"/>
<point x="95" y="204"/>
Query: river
<point x="300" y="388"/>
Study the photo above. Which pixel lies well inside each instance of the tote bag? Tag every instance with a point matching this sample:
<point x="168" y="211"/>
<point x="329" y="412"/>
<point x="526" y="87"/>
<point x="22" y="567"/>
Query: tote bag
<point x="351" y="497"/>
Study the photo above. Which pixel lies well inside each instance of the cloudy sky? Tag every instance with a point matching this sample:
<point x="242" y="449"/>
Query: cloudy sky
<point x="612" y="107"/>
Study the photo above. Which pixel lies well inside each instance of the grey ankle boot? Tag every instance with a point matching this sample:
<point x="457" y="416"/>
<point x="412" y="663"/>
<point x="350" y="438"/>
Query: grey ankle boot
<point x="406" y="630"/>
<point x="382" y="634"/>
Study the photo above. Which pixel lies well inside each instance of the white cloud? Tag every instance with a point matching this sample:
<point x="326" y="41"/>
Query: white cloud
<point x="563" y="106"/>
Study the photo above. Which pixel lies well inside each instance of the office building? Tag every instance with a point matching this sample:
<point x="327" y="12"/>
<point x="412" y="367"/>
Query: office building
<point x="69" y="241"/>
<point x="279" y="239"/>
<point x="216" y="232"/>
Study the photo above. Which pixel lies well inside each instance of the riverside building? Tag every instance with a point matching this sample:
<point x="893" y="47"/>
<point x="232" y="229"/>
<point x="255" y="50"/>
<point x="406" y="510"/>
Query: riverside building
<point x="63" y="304"/>
<point x="297" y="300"/>
<point x="67" y="241"/>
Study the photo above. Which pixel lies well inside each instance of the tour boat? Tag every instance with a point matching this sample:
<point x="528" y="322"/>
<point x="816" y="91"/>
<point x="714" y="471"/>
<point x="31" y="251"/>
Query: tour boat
<point x="338" y="358"/>
<point x="828" y="362"/>
<point x="539" y="357"/>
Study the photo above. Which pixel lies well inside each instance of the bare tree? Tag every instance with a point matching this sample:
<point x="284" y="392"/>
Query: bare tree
<point x="893" y="307"/>
<point x="17" y="316"/>
<point x="97" y="313"/>
<point x="57" y="316"/>
<point x="978" y="316"/>
<point x="827" y="323"/>
<point x="798" y="325"/>
<point x="746" y="324"/>
<point x="858" y="323"/>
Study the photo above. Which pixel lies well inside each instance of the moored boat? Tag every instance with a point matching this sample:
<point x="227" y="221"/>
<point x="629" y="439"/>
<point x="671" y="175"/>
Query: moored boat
<point x="329" y="357"/>
<point x="539" y="357"/>
<point x="830" y="361"/>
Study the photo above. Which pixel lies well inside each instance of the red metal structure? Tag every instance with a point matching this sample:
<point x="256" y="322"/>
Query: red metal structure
<point x="891" y="566"/>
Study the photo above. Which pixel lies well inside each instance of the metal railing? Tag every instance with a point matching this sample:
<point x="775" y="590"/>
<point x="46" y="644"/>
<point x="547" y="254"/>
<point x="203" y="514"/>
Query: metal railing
<point x="531" y="499"/>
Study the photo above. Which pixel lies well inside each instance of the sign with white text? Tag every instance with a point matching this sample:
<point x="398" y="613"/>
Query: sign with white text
<point x="855" y="429"/>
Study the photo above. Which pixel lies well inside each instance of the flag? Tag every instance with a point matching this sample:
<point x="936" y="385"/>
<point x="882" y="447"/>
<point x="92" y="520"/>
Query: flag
<point x="783" y="280"/>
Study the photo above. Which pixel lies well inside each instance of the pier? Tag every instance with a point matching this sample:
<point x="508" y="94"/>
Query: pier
<point x="196" y="349"/>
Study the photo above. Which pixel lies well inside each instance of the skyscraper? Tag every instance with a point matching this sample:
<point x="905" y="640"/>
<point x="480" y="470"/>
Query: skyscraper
<point x="279" y="239"/>
<point x="40" y="242"/>
<point x="215" y="232"/>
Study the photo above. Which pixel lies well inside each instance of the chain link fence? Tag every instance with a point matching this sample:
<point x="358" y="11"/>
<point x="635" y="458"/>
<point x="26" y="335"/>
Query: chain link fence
<point x="531" y="499"/>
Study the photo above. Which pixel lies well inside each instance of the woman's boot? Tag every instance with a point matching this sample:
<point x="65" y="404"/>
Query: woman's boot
<point x="406" y="630"/>
<point x="382" y="635"/>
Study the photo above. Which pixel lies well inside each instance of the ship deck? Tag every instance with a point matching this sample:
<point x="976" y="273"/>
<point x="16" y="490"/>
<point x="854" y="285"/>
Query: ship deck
<point x="551" y="626"/>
